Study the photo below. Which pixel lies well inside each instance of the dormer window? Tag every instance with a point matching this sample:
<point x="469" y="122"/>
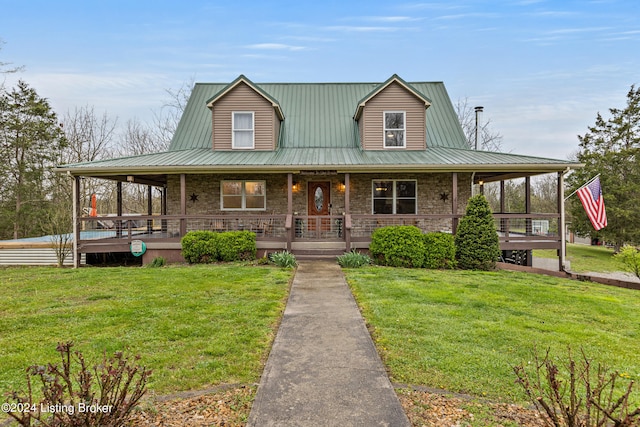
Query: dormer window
<point x="243" y="130"/>
<point x="394" y="129"/>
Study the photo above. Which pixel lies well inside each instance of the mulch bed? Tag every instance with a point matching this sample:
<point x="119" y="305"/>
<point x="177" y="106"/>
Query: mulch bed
<point x="230" y="408"/>
<point x="428" y="409"/>
<point x="219" y="407"/>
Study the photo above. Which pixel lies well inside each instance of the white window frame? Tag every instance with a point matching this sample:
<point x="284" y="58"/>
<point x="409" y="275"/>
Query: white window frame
<point x="243" y="195"/>
<point x="234" y="130"/>
<point x="385" y="129"/>
<point x="394" y="195"/>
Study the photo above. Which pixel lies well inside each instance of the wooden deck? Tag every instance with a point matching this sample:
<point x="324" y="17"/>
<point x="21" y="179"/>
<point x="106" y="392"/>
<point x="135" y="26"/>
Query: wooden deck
<point x="299" y="233"/>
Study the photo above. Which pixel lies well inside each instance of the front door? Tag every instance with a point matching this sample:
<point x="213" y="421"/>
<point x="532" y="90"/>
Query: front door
<point x="319" y="203"/>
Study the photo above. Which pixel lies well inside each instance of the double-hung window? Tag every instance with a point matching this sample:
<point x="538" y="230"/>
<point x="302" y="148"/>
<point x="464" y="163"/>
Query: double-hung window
<point x="243" y="130"/>
<point x="395" y="197"/>
<point x="243" y="195"/>
<point x="394" y="129"/>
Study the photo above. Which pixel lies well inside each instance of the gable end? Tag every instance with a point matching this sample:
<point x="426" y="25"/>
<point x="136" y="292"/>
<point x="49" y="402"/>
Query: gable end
<point x="243" y="99"/>
<point x="393" y="99"/>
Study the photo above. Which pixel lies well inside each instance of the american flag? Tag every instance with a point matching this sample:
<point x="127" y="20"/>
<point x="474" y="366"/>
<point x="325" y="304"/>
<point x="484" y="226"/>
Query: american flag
<point x="591" y="197"/>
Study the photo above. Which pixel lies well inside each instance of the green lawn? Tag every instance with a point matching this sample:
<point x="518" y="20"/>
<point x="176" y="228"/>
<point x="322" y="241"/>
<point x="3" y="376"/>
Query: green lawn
<point x="194" y="326"/>
<point x="463" y="331"/>
<point x="586" y="258"/>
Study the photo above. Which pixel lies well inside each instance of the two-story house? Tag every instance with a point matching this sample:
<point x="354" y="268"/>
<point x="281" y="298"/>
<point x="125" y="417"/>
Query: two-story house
<point x="314" y="168"/>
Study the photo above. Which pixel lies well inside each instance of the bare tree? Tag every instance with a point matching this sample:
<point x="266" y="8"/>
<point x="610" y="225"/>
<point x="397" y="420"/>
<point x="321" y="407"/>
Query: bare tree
<point x="166" y="119"/>
<point x="90" y="137"/>
<point x="488" y="139"/>
<point x="139" y="138"/>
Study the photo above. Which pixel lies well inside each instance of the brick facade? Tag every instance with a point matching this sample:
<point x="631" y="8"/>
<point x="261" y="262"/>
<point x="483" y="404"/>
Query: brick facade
<point x="434" y="192"/>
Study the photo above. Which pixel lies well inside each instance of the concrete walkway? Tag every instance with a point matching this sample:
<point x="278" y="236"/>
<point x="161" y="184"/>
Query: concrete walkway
<point x="323" y="369"/>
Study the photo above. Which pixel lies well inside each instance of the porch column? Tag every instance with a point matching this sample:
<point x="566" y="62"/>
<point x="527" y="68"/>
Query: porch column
<point x="454" y="201"/>
<point x="347" y="211"/>
<point x="163" y="208"/>
<point x="288" y="225"/>
<point x="528" y="223"/>
<point x="76" y="223"/>
<point x="503" y="221"/>
<point x="119" y="209"/>
<point x="183" y="204"/>
<point x="149" y="208"/>
<point x="561" y="225"/>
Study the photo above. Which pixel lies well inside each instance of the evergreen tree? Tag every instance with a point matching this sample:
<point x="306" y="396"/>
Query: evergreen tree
<point x="30" y="142"/>
<point x="477" y="244"/>
<point x="610" y="148"/>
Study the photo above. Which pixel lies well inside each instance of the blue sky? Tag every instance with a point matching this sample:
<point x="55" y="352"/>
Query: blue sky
<point x="542" y="69"/>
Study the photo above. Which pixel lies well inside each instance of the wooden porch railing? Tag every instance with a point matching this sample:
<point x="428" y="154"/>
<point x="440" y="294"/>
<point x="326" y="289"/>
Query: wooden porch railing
<point x="516" y="231"/>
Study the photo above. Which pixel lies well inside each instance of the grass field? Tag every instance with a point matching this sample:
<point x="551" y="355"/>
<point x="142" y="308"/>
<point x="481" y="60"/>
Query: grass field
<point x="197" y="326"/>
<point x="194" y="326"/>
<point x="586" y="258"/>
<point x="464" y="331"/>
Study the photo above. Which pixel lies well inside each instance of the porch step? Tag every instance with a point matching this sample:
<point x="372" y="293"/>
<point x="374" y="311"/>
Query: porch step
<point x="317" y="253"/>
<point x="318" y="250"/>
<point x="315" y="257"/>
<point x="299" y="247"/>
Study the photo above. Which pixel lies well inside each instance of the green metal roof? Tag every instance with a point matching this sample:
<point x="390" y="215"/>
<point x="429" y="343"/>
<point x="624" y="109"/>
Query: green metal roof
<point x="339" y="159"/>
<point x="319" y="132"/>
<point x="319" y="114"/>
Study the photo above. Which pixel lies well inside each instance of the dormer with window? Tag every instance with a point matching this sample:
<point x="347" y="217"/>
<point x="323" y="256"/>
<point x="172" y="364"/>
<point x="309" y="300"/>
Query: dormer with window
<point x="244" y="117"/>
<point x="393" y="117"/>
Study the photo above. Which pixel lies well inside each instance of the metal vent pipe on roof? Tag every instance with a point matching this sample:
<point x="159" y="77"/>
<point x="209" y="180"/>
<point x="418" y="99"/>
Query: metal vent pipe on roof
<point x="478" y="110"/>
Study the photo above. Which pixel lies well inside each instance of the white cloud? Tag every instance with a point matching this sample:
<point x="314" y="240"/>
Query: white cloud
<point x="578" y="30"/>
<point x="391" y="18"/>
<point x="363" y="29"/>
<point x="275" y="46"/>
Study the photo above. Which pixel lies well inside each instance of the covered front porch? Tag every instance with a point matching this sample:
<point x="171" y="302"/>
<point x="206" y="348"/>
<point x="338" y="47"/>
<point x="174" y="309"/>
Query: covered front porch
<point x="308" y="225"/>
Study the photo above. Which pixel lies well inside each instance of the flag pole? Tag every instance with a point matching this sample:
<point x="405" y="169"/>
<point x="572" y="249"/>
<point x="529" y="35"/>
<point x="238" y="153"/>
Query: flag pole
<point x="581" y="187"/>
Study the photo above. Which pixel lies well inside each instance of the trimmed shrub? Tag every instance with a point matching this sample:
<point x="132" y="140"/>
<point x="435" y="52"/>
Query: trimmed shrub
<point x="284" y="259"/>
<point x="477" y="244"/>
<point x="200" y="247"/>
<point x="353" y="259"/>
<point x="440" y="250"/>
<point x="237" y="246"/>
<point x="398" y="246"/>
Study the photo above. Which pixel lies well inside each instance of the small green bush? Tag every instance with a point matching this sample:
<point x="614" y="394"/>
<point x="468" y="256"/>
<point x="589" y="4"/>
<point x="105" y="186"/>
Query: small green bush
<point x="440" y="251"/>
<point x="200" y="247"/>
<point x="263" y="261"/>
<point x="477" y="243"/>
<point x="157" y="262"/>
<point x="398" y="246"/>
<point x="237" y="246"/>
<point x="630" y="258"/>
<point x="353" y="259"/>
<point x="284" y="259"/>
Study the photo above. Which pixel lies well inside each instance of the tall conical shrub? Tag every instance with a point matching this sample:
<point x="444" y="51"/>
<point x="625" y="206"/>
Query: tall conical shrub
<point x="477" y="244"/>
